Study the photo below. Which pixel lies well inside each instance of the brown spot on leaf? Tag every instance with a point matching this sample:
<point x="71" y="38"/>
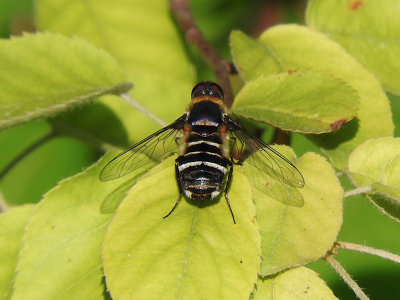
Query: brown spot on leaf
<point x="336" y="125"/>
<point x="354" y="5"/>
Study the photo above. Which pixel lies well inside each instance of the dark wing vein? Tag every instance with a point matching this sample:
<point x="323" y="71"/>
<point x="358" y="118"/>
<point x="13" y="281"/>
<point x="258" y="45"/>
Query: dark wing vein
<point x="153" y="148"/>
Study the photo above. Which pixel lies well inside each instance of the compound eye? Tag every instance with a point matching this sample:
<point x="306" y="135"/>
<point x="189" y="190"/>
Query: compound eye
<point x="207" y="88"/>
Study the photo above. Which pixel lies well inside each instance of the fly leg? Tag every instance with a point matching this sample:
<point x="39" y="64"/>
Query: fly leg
<point x="180" y="191"/>
<point x="228" y="184"/>
<point x="236" y="152"/>
<point x="176" y="204"/>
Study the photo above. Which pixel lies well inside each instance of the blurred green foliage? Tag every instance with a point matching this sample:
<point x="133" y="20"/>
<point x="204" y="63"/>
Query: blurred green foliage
<point x="15" y="15"/>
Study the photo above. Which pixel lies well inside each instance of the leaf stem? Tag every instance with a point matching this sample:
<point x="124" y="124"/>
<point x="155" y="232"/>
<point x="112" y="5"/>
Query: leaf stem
<point x="340" y="174"/>
<point x="63" y="129"/>
<point x="130" y="100"/>
<point x="25" y="152"/>
<point x="3" y="204"/>
<point x="345" y="276"/>
<point x="361" y="248"/>
<point x="357" y="191"/>
<point x="222" y="68"/>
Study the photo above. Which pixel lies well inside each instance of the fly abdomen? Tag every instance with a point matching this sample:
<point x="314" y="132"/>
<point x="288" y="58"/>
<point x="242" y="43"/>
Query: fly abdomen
<point x="201" y="179"/>
<point x="211" y="143"/>
<point x="202" y="169"/>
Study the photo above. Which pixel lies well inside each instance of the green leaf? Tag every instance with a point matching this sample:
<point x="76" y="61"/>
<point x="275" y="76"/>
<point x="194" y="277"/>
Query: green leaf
<point x="56" y="74"/>
<point x="143" y="38"/>
<point x="113" y="199"/>
<point x="377" y="163"/>
<point x="63" y="239"/>
<point x="299" y="283"/>
<point x="303" y="101"/>
<point x="252" y="58"/>
<point x="292" y="47"/>
<point x="294" y="233"/>
<point x="12" y="226"/>
<point x="195" y="253"/>
<point x="369" y="30"/>
<point x="96" y="120"/>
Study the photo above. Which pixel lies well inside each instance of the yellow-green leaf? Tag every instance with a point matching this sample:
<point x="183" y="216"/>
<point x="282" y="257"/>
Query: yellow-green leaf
<point x="299" y="283"/>
<point x="369" y="30"/>
<point x="294" y="233"/>
<point x="47" y="73"/>
<point x="377" y="163"/>
<point x="142" y="36"/>
<point x="252" y="58"/>
<point x="61" y="256"/>
<point x="12" y="226"/>
<point x="195" y="253"/>
<point x="303" y="101"/>
<point x="293" y="47"/>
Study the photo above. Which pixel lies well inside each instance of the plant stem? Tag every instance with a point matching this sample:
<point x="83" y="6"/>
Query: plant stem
<point x="222" y="68"/>
<point x="340" y="174"/>
<point x="357" y="191"/>
<point x="346" y="277"/>
<point x="63" y="129"/>
<point x="361" y="248"/>
<point x="24" y="153"/>
<point x="3" y="204"/>
<point x="130" y="100"/>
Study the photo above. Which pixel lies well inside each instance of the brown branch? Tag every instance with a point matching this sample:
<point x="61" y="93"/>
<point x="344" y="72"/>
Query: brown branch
<point x="222" y="68"/>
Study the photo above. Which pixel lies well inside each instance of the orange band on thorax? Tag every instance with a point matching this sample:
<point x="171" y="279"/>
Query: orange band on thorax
<point x="216" y="100"/>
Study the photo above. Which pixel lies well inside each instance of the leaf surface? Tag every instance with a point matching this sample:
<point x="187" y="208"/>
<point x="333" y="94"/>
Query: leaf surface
<point x="12" y="224"/>
<point x="197" y="252"/>
<point x="142" y="37"/>
<point x="292" y="47"/>
<point x="56" y="74"/>
<point x="377" y="163"/>
<point x="294" y="232"/>
<point x="303" y="101"/>
<point x="368" y="30"/>
<point x="299" y="283"/>
<point x="63" y="239"/>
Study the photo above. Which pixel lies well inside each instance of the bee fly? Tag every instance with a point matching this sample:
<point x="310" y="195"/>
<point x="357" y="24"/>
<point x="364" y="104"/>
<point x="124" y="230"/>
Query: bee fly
<point x="208" y="143"/>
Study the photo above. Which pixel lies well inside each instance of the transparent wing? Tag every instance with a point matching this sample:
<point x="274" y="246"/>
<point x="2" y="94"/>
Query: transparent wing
<point x="277" y="190"/>
<point x="153" y="148"/>
<point x="263" y="157"/>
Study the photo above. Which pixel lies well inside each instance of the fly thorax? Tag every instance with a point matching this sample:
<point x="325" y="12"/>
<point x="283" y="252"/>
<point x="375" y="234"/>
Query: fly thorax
<point x="205" y="112"/>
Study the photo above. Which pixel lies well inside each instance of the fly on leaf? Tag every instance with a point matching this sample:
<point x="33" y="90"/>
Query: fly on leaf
<point x="209" y="143"/>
